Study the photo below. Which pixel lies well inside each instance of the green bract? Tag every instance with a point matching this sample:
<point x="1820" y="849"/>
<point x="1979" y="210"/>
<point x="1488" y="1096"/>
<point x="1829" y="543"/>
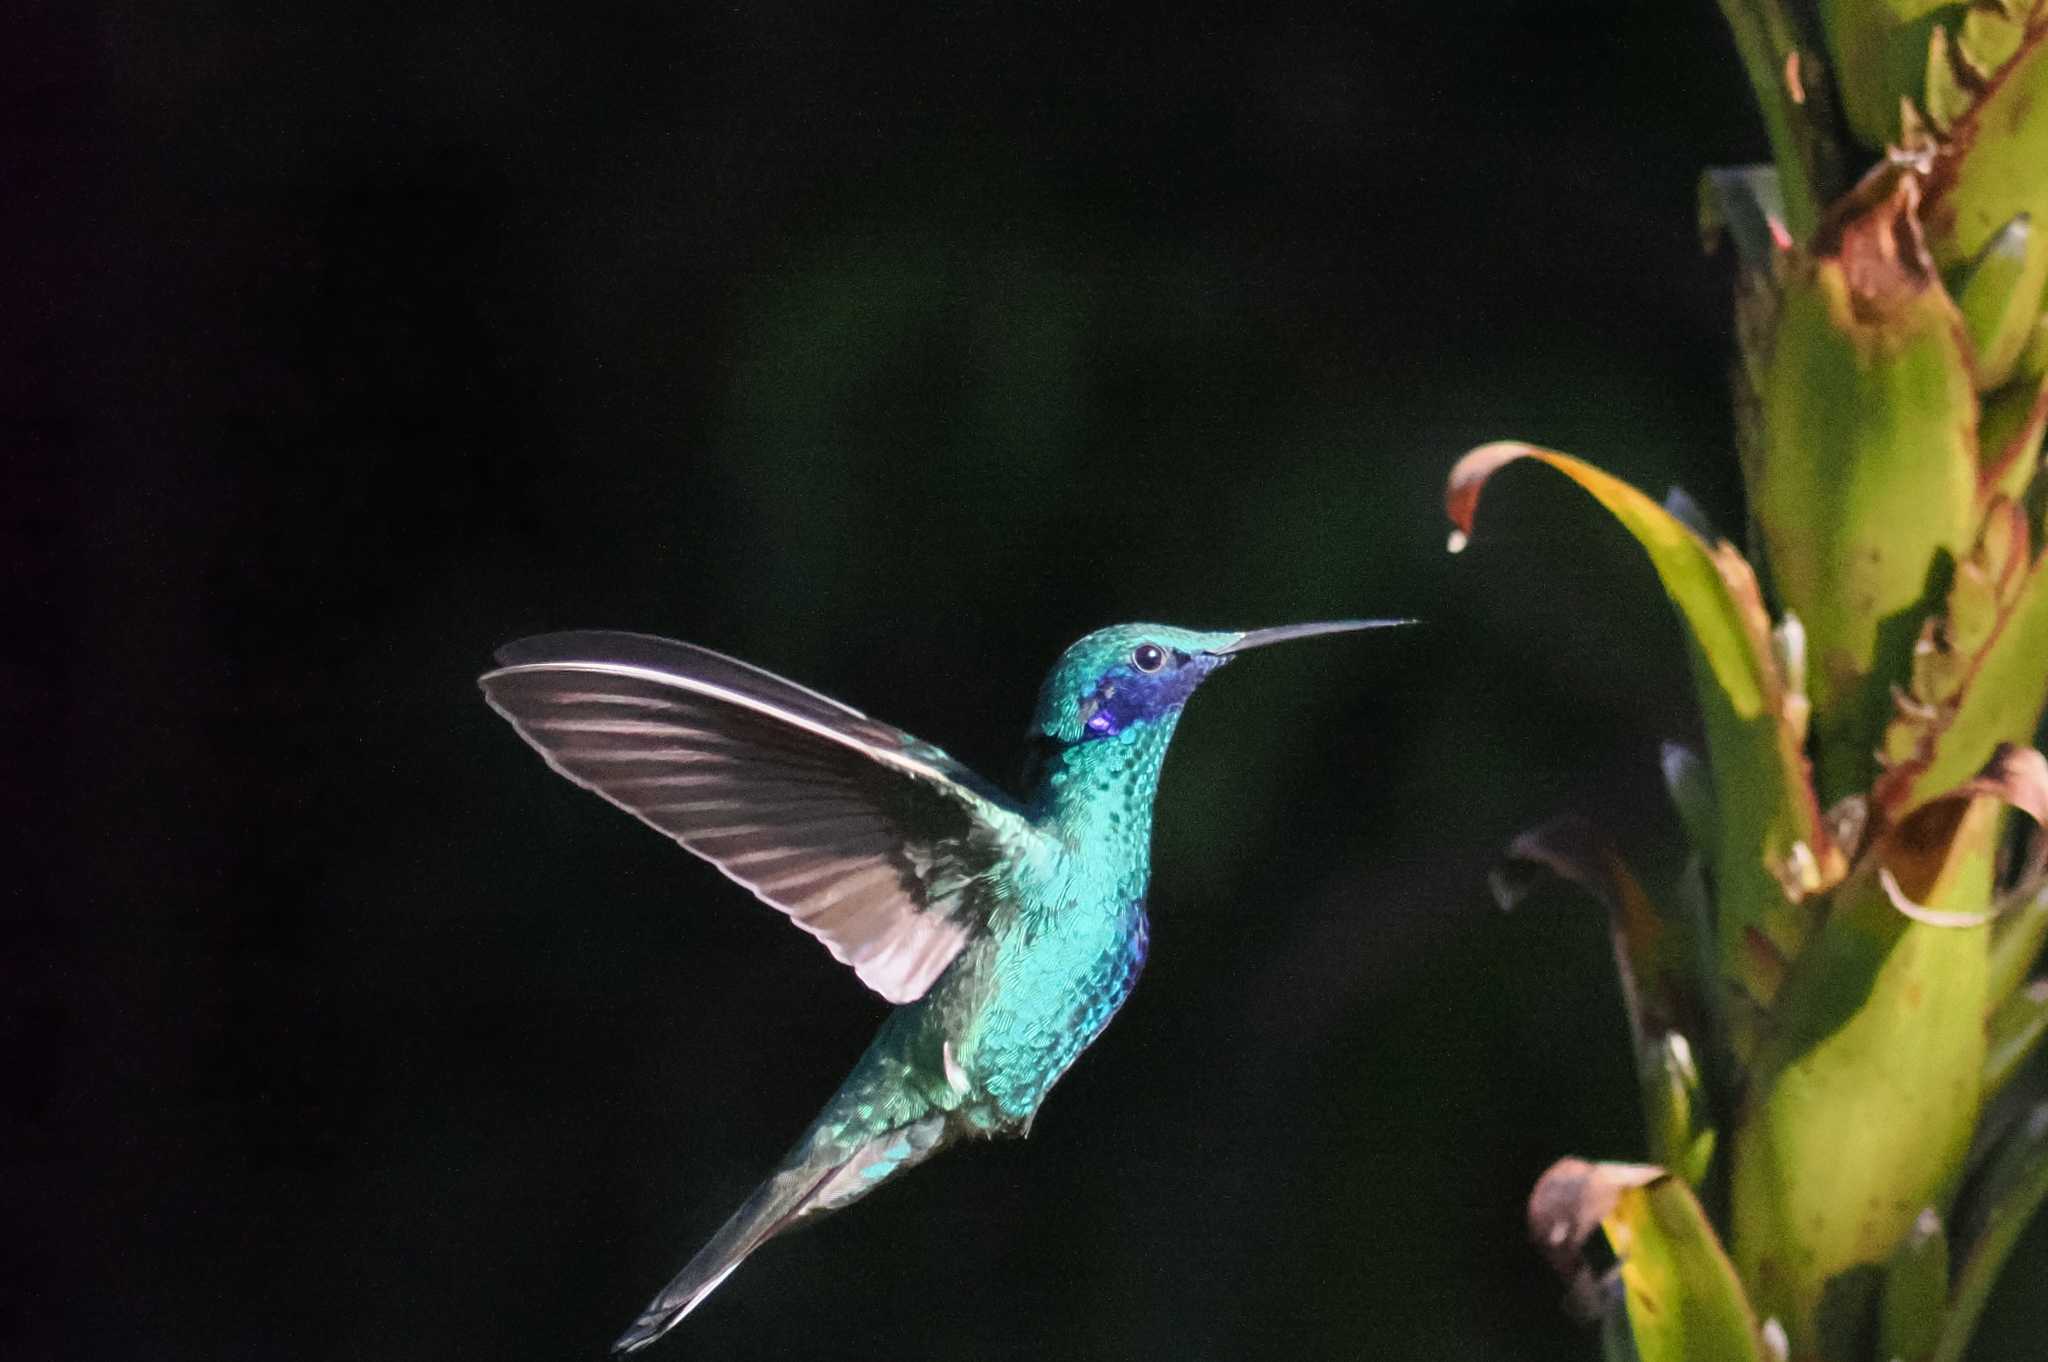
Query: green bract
<point x="1825" y="1002"/>
<point x="1678" y="1295"/>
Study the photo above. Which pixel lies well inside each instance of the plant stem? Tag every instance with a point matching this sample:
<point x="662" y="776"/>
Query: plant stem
<point x="1790" y="85"/>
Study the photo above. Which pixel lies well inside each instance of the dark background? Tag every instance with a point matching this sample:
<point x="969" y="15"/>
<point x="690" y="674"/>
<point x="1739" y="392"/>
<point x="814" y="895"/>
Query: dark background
<point x="892" y="348"/>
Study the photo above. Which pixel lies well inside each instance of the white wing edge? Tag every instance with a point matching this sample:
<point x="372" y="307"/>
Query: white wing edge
<point x="926" y="976"/>
<point x="654" y="643"/>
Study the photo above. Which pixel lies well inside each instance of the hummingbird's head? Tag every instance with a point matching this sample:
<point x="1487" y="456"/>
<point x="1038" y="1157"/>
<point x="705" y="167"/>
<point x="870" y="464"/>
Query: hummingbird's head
<point x="1133" y="676"/>
<point x="1120" y="678"/>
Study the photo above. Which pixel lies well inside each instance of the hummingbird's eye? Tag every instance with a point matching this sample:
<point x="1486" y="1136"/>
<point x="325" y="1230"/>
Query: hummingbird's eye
<point x="1148" y="657"/>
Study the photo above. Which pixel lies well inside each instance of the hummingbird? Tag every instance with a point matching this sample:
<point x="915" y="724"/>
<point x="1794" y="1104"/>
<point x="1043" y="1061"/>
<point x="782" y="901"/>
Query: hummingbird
<point x="1007" y="929"/>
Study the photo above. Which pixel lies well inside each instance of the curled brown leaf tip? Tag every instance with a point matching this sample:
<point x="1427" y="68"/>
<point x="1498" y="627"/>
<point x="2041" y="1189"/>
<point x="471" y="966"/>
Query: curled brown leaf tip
<point x="1919" y="912"/>
<point x="1915" y="852"/>
<point x="2019" y="776"/>
<point x="1654" y="987"/>
<point x="1986" y="601"/>
<point x="1874" y="234"/>
<point x="1567" y="1204"/>
<point x="1469" y="475"/>
<point x="1572" y="848"/>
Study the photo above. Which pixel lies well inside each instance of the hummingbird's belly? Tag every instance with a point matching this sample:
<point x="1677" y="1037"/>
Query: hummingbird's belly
<point x="1047" y="1000"/>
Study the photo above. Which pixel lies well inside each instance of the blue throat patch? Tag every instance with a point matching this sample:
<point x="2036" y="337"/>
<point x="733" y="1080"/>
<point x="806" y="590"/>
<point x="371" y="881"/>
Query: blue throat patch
<point x="1125" y="696"/>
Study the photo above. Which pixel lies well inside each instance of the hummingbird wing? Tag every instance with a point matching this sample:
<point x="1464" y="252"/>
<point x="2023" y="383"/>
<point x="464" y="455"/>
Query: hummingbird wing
<point x="875" y="843"/>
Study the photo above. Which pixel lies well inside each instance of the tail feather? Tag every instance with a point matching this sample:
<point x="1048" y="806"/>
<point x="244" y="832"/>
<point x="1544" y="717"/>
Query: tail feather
<point x="824" y="1178"/>
<point x="773" y="1205"/>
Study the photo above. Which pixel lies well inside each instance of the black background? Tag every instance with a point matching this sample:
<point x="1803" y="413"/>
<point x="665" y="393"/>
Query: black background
<point x="892" y="348"/>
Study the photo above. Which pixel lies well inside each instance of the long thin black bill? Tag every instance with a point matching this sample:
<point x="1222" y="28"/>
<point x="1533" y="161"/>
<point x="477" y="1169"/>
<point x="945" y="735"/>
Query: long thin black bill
<point x="1259" y="638"/>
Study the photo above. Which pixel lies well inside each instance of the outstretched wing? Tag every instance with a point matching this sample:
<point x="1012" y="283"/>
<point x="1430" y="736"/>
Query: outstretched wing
<point x="873" y="842"/>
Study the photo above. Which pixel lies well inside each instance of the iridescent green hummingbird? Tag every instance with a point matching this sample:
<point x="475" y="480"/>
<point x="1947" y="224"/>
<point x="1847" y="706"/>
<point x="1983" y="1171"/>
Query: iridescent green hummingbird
<point x="1007" y="930"/>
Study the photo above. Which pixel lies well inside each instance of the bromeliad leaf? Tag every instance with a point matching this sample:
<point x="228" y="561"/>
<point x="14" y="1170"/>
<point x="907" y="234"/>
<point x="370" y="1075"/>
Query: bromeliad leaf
<point x="1999" y="296"/>
<point x="2014" y="1034"/>
<point x="2015" y="1188"/>
<point x="1653" y="953"/>
<point x="1676" y="1111"/>
<point x="1975" y="681"/>
<point x="1867" y="480"/>
<point x="1791" y="82"/>
<point x="1915" y="1291"/>
<point x="2009" y="436"/>
<point x="1988" y="170"/>
<point x="1990" y="34"/>
<point x="2021" y="927"/>
<point x="1692" y="794"/>
<point x="1861" y="1111"/>
<point x="1880" y="50"/>
<point x="1772" y="847"/>
<point x="1861" y="1105"/>
<point x="1681" y="1295"/>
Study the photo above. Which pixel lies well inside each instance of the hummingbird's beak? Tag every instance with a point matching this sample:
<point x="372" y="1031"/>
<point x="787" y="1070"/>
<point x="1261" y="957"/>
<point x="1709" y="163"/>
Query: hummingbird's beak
<point x="1259" y="638"/>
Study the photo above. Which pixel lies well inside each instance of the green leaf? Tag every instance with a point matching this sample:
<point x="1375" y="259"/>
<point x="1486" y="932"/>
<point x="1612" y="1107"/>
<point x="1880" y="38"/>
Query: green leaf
<point x="1915" y="1292"/>
<point x="1790" y="81"/>
<point x="1866" y="485"/>
<point x="1880" y="53"/>
<point x="1772" y="847"/>
<point x="1993" y="166"/>
<point x="2017" y="776"/>
<point x="2014" y="1033"/>
<point x="1862" y="1102"/>
<point x="1682" y="1298"/>
<point x="2009" y="435"/>
<point x="1999" y="296"/>
<point x="1948" y="92"/>
<point x="1655" y="957"/>
<point x="1617" y="1344"/>
<point x="1980" y="675"/>
<point x="1692" y="794"/>
<point x="2015" y="1188"/>
<point x="1682" y="1135"/>
<point x="2017" y="936"/>
<point x="1989" y="36"/>
<point x="1653" y="950"/>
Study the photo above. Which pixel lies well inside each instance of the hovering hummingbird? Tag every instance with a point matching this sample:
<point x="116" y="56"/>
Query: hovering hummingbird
<point x="1008" y="931"/>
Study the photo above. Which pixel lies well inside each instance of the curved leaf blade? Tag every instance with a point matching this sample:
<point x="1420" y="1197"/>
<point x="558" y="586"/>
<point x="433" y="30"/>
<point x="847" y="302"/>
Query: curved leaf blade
<point x="1866" y="484"/>
<point x="1682" y="1298"/>
<point x="2017" y="1186"/>
<point x="1915" y="1291"/>
<point x="1862" y="1104"/>
<point x="1990" y="168"/>
<point x="1976" y="681"/>
<point x="1881" y="52"/>
<point x="1772" y="847"/>
<point x="2015" y="1030"/>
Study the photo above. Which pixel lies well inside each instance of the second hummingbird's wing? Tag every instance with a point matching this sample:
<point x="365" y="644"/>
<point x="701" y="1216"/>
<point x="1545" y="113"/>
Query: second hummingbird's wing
<point x="873" y="842"/>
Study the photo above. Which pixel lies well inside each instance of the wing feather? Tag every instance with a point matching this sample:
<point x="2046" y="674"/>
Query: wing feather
<point x="875" y="843"/>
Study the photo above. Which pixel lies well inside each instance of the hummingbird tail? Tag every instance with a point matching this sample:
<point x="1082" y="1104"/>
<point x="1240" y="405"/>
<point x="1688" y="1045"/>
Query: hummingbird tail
<point x="824" y="1176"/>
